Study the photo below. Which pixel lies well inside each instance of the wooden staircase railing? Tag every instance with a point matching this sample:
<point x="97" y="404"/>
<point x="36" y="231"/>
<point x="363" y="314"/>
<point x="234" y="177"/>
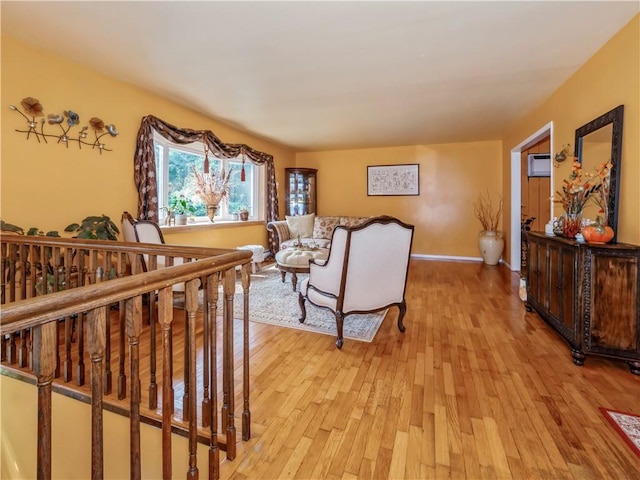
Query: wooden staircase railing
<point x="79" y="284"/>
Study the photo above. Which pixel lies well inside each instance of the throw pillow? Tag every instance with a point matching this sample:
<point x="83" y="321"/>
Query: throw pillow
<point x="300" y="225"/>
<point x="323" y="227"/>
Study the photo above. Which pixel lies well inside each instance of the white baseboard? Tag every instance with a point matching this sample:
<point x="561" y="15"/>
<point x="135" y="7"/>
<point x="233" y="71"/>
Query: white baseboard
<point x="450" y="258"/>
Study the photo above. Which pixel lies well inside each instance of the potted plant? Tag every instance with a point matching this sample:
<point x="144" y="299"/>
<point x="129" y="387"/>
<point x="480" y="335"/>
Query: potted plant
<point x="181" y="207"/>
<point x="243" y="212"/>
<point x="33" y="231"/>
<point x="95" y="227"/>
<point x="490" y="239"/>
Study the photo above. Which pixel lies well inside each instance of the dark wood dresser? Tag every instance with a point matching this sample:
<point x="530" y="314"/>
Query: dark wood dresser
<point x="588" y="293"/>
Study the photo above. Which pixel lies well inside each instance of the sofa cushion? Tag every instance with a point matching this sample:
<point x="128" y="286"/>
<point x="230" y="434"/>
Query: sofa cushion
<point x="353" y="221"/>
<point x="300" y="225"/>
<point x="323" y="227"/>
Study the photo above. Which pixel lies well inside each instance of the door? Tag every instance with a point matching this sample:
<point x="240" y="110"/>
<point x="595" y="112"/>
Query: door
<point x="535" y="191"/>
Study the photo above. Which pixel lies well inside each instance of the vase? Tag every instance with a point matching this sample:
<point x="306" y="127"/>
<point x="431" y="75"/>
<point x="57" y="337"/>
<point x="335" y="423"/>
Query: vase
<point x="571" y="224"/>
<point x="211" y="211"/>
<point x="491" y="245"/>
<point x="181" y="219"/>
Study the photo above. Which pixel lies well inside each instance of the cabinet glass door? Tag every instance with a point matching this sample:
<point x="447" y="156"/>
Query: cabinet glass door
<point x="301" y="191"/>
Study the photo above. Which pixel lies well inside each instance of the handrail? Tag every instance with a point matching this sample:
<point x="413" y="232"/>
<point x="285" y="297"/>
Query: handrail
<point x="128" y="247"/>
<point x="84" y="299"/>
<point x="34" y="311"/>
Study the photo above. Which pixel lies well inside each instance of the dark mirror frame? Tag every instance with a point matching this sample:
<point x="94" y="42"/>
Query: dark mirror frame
<point x="614" y="117"/>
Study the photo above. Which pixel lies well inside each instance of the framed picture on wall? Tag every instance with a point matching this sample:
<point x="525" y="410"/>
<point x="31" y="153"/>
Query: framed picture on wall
<point x="393" y="179"/>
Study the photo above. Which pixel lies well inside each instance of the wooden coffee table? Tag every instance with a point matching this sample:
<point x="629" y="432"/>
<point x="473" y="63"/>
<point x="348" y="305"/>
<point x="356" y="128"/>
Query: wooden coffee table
<point x="296" y="260"/>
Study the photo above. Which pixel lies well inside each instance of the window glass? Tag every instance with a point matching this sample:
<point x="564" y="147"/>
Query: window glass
<point x="174" y="168"/>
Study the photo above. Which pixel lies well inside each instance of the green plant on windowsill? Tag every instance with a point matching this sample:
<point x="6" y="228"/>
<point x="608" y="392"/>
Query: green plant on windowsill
<point x="243" y="212"/>
<point x="181" y="205"/>
<point x="181" y="208"/>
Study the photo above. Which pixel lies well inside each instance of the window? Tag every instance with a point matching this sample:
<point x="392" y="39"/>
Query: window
<point x="174" y="164"/>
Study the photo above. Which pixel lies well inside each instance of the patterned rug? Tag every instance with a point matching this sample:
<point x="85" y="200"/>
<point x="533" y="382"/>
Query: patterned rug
<point x="627" y="425"/>
<point x="275" y="303"/>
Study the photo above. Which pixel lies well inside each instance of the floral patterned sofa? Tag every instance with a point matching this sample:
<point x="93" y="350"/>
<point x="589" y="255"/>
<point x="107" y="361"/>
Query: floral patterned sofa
<point x="309" y="229"/>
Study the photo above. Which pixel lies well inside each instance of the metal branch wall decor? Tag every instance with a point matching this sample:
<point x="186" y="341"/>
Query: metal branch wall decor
<point x="34" y="108"/>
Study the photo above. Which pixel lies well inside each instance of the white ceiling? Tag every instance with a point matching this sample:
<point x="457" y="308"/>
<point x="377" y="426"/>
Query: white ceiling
<point x="334" y="75"/>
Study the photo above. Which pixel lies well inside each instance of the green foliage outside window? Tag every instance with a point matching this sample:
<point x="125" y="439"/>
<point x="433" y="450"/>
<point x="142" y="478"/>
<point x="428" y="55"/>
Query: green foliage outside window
<point x="180" y="181"/>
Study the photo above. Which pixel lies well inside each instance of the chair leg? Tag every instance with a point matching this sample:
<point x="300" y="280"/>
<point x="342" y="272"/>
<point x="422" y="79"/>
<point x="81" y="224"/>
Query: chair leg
<point x="339" y="324"/>
<point x="303" y="309"/>
<point x="403" y="309"/>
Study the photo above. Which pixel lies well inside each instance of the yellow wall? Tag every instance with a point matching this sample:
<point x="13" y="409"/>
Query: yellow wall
<point x="610" y="78"/>
<point x="71" y="439"/>
<point x="451" y="178"/>
<point x="50" y="186"/>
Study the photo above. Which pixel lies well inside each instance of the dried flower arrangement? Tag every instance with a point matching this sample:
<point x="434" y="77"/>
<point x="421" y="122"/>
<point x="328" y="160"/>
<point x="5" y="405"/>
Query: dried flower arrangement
<point x="212" y="187"/>
<point x="581" y="186"/>
<point x="484" y="211"/>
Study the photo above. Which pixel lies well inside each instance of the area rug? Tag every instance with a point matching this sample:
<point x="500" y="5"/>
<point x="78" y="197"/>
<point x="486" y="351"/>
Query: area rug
<point x="275" y="303"/>
<point x="627" y="425"/>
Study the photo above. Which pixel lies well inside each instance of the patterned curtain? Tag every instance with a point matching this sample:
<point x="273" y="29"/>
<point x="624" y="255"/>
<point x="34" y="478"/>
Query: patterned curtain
<point x="145" y="165"/>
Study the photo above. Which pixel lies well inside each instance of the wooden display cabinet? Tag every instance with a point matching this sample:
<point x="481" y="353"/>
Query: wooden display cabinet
<point x="553" y="288"/>
<point x="300" y="194"/>
<point x="589" y="294"/>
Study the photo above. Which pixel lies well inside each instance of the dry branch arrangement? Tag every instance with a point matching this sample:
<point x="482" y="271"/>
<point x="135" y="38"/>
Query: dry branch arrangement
<point x="484" y="211"/>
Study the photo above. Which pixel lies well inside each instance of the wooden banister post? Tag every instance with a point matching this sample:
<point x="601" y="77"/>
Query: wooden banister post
<point x="96" y="341"/>
<point x="134" y="328"/>
<point x="227" y="367"/>
<point x="191" y="304"/>
<point x="246" y="413"/>
<point x="153" y="320"/>
<point x="122" y="376"/>
<point x="44" y="366"/>
<point x="165" y="317"/>
<point x="80" y="368"/>
<point x="206" y="357"/>
<point x="106" y="269"/>
<point x="214" y="452"/>
<point x="68" y="321"/>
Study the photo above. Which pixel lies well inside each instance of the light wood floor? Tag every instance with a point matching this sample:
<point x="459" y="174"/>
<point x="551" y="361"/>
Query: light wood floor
<point x="475" y="388"/>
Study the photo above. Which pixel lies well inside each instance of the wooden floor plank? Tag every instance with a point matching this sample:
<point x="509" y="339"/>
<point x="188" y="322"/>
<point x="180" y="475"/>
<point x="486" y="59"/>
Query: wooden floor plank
<point x="475" y="388"/>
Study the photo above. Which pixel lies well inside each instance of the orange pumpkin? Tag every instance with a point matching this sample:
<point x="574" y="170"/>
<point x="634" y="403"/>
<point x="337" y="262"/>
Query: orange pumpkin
<point x="597" y="233"/>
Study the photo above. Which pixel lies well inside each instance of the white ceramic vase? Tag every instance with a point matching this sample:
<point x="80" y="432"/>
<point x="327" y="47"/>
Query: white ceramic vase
<point x="181" y="219"/>
<point x="491" y="245"/>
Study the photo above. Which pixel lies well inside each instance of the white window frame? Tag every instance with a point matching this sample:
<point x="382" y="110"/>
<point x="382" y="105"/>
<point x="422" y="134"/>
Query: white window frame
<point x="257" y="206"/>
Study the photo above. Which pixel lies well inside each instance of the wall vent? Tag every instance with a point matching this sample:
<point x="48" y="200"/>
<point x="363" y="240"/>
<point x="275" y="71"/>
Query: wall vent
<point x="539" y="164"/>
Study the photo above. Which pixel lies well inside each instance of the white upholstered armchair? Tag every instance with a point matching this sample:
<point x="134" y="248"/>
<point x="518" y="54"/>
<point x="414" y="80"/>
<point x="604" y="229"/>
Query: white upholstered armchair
<point x="366" y="271"/>
<point x="146" y="231"/>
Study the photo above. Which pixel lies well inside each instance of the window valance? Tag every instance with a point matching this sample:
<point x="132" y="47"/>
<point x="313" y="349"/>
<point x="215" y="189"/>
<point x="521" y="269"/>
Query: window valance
<point x="145" y="165"/>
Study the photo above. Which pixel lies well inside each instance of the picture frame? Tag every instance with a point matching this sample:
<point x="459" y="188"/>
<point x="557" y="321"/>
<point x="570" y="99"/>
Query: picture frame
<point x="388" y="180"/>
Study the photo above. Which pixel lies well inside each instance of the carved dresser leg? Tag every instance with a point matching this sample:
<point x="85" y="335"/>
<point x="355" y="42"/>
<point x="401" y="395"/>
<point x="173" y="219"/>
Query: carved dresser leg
<point x="578" y="357"/>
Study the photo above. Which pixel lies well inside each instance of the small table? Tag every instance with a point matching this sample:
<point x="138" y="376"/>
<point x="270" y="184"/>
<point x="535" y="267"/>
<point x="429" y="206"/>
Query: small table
<point x="296" y="260"/>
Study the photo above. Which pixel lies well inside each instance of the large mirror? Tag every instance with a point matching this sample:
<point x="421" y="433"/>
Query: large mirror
<point x="597" y="142"/>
